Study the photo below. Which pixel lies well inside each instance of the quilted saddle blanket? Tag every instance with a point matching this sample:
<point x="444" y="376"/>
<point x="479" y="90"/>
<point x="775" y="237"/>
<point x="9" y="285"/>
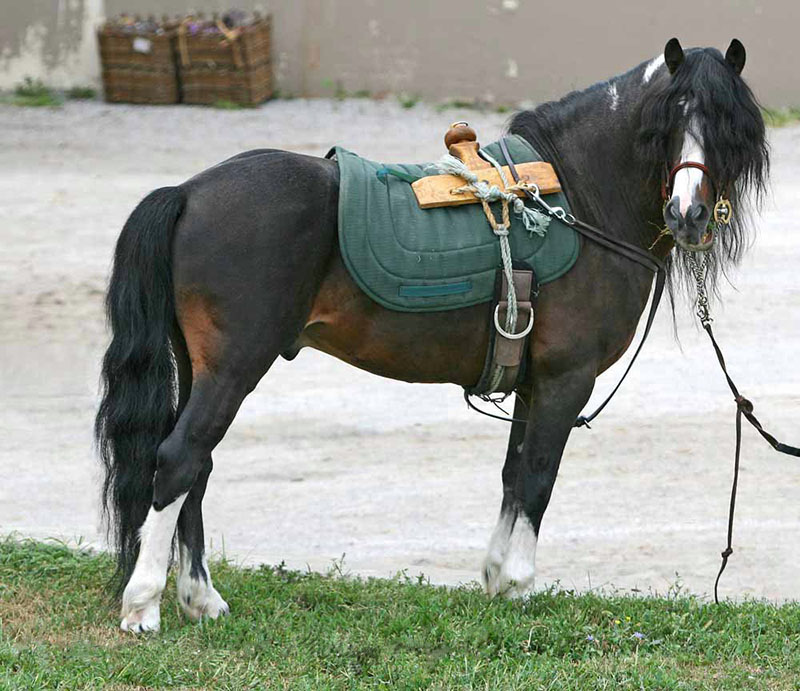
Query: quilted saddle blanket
<point x="423" y="260"/>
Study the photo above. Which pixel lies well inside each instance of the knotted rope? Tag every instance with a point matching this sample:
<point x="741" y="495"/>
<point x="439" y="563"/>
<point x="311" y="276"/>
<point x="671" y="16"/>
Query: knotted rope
<point x="534" y="220"/>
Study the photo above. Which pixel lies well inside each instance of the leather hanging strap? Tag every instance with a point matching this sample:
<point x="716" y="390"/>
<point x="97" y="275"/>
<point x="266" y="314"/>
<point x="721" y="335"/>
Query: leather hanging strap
<point x="508" y="353"/>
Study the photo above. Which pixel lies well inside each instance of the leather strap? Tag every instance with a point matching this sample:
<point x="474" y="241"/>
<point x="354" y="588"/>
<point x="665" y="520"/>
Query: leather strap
<point x="666" y="188"/>
<point x="626" y="249"/>
<point x="658" y="291"/>
<point x="507" y="354"/>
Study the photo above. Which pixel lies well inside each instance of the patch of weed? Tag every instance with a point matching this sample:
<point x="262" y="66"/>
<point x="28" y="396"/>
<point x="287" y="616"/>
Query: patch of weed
<point x="408" y="100"/>
<point x="780" y="117"/>
<point x="230" y="105"/>
<point x="33" y="93"/>
<point x="81" y="93"/>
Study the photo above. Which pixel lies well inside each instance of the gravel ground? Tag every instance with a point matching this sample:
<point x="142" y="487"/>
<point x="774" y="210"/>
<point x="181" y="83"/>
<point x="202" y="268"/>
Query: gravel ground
<point x="641" y="499"/>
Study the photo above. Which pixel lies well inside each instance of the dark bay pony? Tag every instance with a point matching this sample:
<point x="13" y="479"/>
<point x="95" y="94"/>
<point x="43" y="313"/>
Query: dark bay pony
<point x="216" y="278"/>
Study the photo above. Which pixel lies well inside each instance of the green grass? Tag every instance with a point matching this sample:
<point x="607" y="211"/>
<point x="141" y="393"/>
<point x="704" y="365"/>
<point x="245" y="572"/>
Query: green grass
<point x="231" y="105"/>
<point x="306" y="631"/>
<point x="33" y="93"/>
<point x="407" y="101"/>
<point x="81" y="93"/>
<point x="780" y="117"/>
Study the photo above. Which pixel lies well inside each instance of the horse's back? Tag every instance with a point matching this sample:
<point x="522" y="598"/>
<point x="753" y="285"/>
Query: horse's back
<point x="267" y="175"/>
<point x="261" y="200"/>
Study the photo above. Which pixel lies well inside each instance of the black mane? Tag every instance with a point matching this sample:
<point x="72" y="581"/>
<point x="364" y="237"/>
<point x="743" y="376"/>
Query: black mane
<point x="704" y="89"/>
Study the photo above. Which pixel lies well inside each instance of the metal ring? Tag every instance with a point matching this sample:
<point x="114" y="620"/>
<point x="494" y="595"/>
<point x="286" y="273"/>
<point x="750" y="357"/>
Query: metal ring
<point x="503" y="333"/>
<point x="723" y="211"/>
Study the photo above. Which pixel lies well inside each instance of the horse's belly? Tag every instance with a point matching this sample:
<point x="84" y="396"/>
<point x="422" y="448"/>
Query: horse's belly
<point x="434" y="347"/>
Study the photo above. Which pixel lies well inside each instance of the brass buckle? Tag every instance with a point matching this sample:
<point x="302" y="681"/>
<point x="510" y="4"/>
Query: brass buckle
<point x="723" y="211"/>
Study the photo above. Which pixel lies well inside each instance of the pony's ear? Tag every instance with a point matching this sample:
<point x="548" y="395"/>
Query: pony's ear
<point x="673" y="55"/>
<point x="736" y="55"/>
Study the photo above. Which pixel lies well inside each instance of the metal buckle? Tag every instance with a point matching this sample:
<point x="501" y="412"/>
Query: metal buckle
<point x="723" y="211"/>
<point x="504" y="333"/>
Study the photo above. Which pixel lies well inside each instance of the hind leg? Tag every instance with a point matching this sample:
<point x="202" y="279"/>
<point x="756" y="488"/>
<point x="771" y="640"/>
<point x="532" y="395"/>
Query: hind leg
<point x="247" y="260"/>
<point x="182" y="462"/>
<point x="196" y="593"/>
<point x="141" y="600"/>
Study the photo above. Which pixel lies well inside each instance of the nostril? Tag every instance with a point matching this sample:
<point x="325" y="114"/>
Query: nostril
<point x="698" y="215"/>
<point x="672" y="214"/>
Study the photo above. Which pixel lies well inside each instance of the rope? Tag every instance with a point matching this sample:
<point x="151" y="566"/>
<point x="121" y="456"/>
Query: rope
<point x="505" y="249"/>
<point x="232" y="37"/>
<point x="535" y="221"/>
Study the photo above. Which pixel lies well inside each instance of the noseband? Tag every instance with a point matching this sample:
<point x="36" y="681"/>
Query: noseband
<point x="723" y="211"/>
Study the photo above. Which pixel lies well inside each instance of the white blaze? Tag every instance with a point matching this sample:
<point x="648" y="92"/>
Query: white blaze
<point x="688" y="180"/>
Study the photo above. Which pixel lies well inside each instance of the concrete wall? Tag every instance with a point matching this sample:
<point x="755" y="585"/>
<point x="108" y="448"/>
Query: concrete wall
<point x="505" y="51"/>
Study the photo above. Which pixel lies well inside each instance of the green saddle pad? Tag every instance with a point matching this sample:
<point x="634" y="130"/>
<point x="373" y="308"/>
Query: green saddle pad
<point x="422" y="260"/>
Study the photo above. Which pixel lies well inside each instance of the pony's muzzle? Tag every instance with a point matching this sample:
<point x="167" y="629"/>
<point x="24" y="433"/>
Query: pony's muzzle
<point x="691" y="229"/>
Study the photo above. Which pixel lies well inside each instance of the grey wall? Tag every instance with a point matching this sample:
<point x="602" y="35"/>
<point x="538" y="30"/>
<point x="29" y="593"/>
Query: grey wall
<point x="507" y="51"/>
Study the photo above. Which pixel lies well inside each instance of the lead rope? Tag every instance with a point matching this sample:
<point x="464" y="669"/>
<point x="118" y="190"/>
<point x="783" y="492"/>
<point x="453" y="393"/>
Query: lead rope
<point x="743" y="406"/>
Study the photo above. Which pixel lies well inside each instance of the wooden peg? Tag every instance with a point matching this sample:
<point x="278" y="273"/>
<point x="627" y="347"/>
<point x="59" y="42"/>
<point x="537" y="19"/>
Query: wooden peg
<point x="462" y="142"/>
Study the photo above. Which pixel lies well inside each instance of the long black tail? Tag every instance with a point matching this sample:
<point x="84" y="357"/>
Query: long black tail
<point x="139" y="380"/>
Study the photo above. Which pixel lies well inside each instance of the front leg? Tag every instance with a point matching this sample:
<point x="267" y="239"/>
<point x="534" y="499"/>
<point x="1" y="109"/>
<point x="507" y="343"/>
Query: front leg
<point x="532" y="461"/>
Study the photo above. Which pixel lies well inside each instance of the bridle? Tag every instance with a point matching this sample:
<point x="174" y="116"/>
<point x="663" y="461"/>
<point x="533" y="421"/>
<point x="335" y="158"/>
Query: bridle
<point x="723" y="210"/>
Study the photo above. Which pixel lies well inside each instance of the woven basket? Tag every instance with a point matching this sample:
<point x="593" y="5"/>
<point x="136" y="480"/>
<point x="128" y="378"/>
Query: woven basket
<point x="138" y="68"/>
<point x="233" y="66"/>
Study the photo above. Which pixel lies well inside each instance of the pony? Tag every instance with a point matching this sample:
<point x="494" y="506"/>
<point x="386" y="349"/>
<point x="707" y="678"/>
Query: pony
<point x="216" y="278"/>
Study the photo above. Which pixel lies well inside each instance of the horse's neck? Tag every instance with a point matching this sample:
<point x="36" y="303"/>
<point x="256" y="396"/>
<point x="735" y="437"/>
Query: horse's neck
<point x="590" y="138"/>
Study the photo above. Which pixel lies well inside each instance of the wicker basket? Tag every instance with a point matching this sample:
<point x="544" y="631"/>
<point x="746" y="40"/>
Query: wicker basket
<point x="232" y="65"/>
<point x="138" y="68"/>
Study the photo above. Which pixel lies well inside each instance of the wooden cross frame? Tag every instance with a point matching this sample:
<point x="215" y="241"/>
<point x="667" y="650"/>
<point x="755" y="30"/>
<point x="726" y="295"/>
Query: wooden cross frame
<point x="461" y="141"/>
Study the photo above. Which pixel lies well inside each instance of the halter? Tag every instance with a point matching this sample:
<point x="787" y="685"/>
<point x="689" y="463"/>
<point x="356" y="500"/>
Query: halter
<point x="723" y="210"/>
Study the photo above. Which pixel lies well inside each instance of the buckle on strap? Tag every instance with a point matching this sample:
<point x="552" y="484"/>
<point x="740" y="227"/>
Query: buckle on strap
<point x="513" y="337"/>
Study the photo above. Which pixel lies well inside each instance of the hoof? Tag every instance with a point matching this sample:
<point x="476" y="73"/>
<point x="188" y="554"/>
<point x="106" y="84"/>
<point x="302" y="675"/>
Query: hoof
<point x="147" y="620"/>
<point x="141" y="605"/>
<point x="498" y="581"/>
<point x="509" y="566"/>
<point x="200" y="601"/>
